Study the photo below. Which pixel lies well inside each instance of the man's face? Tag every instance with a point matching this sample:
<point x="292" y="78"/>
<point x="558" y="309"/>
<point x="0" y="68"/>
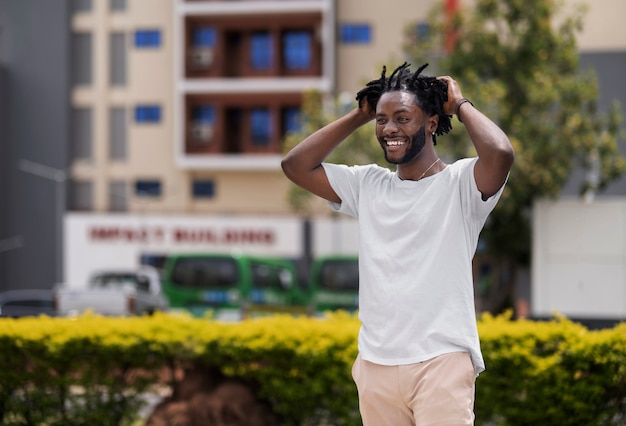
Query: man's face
<point x="400" y="127"/>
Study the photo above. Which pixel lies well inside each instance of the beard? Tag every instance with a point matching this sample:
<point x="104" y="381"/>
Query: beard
<point x="416" y="145"/>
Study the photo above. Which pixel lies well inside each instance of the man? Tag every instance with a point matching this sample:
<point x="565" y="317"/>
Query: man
<point x="419" y="352"/>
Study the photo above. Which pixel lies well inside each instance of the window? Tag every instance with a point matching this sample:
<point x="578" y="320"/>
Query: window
<point x="117" y="62"/>
<point x="261" y="53"/>
<point x="81" y="195"/>
<point x="82" y="52"/>
<point x="355" y="33"/>
<point x="147" y="38"/>
<point x="118" y="198"/>
<point x="203" y="188"/>
<point x="147" y="114"/>
<point x="148" y="188"/>
<point x="204" y="37"/>
<point x="117" y="5"/>
<point x="297" y="55"/>
<point x="81" y="6"/>
<point x="82" y="131"/>
<point x="422" y="30"/>
<point x="291" y="120"/>
<point x="260" y="125"/>
<point x="203" y="114"/>
<point x="205" y="272"/>
<point x="117" y="133"/>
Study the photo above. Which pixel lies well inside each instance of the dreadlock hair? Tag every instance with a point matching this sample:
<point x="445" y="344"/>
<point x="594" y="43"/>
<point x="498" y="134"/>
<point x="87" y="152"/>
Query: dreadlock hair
<point x="430" y="92"/>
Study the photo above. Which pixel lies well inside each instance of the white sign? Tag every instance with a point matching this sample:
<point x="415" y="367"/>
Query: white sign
<point x="95" y="241"/>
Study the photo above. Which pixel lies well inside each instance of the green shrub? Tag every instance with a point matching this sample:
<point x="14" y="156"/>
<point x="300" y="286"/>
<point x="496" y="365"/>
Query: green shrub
<point x="93" y="370"/>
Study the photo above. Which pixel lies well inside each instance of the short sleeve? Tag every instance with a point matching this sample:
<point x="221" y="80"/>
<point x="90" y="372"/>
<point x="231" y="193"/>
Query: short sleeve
<point x="345" y="182"/>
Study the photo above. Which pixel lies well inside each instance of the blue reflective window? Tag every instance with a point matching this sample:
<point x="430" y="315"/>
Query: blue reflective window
<point x="148" y="188"/>
<point x="355" y="33"/>
<point x="204" y="36"/>
<point x="203" y="188"/>
<point x="147" y="114"/>
<point x="291" y="120"/>
<point x="261" y="126"/>
<point x="422" y="30"/>
<point x="261" y="52"/>
<point x="203" y="114"/>
<point x="147" y="38"/>
<point x="297" y="54"/>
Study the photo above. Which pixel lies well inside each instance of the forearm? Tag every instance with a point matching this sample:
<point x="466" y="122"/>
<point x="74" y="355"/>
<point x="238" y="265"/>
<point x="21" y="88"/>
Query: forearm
<point x="312" y="151"/>
<point x="491" y="143"/>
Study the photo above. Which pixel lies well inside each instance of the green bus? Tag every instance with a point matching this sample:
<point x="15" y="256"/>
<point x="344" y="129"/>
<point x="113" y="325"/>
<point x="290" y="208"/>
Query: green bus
<point x="334" y="283"/>
<point x="231" y="287"/>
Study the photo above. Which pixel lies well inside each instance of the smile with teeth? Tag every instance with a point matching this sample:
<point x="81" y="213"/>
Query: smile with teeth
<point x="395" y="142"/>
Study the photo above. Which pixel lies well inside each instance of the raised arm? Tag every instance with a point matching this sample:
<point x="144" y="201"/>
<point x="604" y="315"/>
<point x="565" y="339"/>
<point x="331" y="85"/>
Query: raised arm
<point x="303" y="164"/>
<point x="495" y="152"/>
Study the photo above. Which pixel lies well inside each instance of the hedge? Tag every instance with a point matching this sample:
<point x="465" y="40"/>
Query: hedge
<point x="94" y="371"/>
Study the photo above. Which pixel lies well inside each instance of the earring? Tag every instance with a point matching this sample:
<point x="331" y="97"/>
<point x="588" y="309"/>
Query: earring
<point x="434" y="138"/>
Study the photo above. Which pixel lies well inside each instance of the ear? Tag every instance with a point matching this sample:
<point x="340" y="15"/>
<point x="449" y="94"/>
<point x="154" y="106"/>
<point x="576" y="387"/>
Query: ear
<point x="432" y="123"/>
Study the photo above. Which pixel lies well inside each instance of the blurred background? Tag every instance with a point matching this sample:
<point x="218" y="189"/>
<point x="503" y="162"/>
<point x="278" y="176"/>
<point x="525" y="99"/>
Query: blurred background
<point x="132" y="129"/>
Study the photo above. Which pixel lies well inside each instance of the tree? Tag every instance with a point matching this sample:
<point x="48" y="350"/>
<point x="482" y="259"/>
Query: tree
<point x="518" y="62"/>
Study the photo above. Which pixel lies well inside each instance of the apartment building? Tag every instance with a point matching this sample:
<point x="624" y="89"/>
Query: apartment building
<point x="137" y="108"/>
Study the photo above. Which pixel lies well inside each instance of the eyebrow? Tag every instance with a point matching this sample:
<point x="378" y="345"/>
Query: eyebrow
<point x="396" y="112"/>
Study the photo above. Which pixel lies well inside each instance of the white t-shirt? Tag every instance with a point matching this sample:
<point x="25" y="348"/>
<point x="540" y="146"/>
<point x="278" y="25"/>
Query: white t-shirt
<point x="416" y="244"/>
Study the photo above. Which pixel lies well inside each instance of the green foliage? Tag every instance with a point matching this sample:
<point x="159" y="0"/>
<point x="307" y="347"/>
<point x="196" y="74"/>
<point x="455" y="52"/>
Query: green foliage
<point x="518" y="62"/>
<point x="92" y="370"/>
<point x="551" y="373"/>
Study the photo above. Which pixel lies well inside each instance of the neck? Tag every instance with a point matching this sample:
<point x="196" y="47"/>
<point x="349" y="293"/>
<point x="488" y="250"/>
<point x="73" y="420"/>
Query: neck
<point x="425" y="169"/>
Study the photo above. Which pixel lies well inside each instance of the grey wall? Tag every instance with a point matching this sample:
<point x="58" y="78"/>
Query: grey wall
<point x="610" y="69"/>
<point x="34" y="127"/>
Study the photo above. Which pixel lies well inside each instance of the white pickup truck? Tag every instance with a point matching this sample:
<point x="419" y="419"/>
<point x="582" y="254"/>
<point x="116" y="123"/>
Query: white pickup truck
<point x="114" y="292"/>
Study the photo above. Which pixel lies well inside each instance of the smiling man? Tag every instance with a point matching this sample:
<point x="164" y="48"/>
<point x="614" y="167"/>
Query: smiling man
<point x="419" y="351"/>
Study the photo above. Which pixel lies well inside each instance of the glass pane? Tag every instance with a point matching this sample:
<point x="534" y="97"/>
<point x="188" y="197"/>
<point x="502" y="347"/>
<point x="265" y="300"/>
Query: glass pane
<point x="82" y="52"/>
<point x="203" y="114"/>
<point x="203" y="189"/>
<point x="81" y="6"/>
<point x="118" y="197"/>
<point x="147" y="38"/>
<point x="356" y="33"/>
<point x="148" y="114"/>
<point x="204" y="36"/>
<point x="118" y="5"/>
<point x="82" y="130"/>
<point x="260" y="119"/>
<point x="261" y="53"/>
<point x="297" y="50"/>
<point x="117" y="70"/>
<point x="81" y="195"/>
<point x="340" y="275"/>
<point x="148" y="188"/>
<point x="204" y="273"/>
<point x="291" y="120"/>
<point x="117" y="133"/>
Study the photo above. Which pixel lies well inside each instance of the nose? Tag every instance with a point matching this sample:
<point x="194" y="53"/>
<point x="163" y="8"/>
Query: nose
<point x="390" y="128"/>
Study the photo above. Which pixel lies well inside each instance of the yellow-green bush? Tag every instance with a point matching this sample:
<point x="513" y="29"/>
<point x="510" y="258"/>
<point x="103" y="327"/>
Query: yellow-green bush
<point x="554" y="373"/>
<point x="92" y="370"/>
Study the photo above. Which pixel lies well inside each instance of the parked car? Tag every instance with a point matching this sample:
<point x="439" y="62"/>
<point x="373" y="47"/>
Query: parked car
<point x="115" y="292"/>
<point x="27" y="303"/>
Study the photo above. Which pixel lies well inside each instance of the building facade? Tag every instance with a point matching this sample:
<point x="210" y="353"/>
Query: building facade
<point x="178" y="107"/>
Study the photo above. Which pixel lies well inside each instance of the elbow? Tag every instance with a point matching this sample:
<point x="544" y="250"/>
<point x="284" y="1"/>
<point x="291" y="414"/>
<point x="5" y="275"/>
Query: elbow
<point x="505" y="154"/>
<point x="286" y="164"/>
<point x="500" y="158"/>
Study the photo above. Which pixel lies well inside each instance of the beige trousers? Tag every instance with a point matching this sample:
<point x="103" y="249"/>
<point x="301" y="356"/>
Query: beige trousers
<point x="438" y="392"/>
